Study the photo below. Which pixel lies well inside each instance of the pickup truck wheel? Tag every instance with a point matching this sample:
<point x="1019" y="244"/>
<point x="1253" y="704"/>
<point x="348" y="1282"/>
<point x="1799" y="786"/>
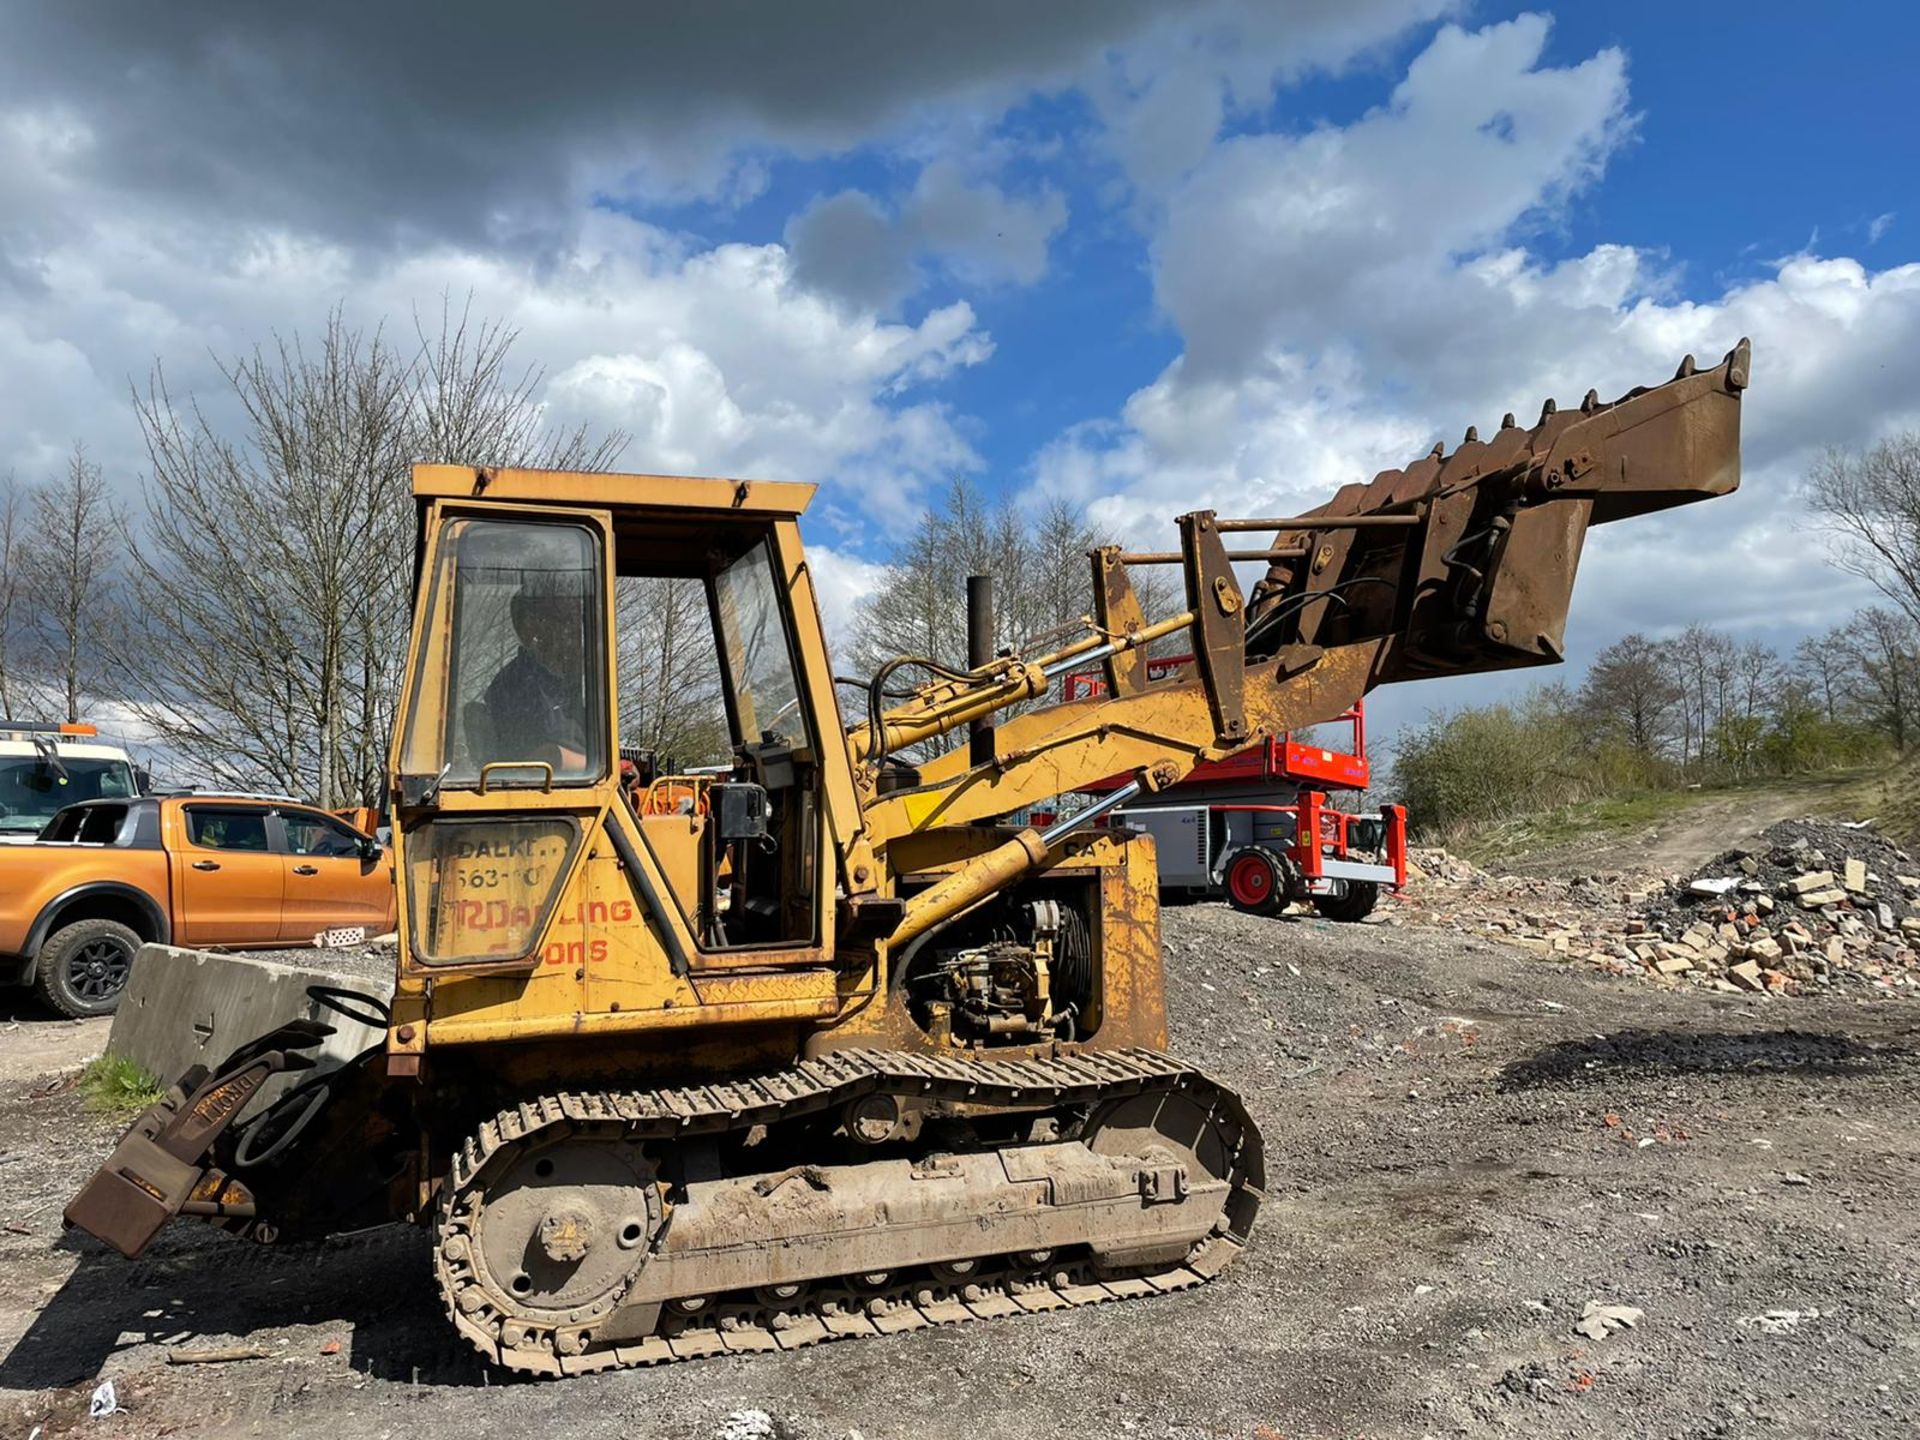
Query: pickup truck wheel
<point x="83" y="967"/>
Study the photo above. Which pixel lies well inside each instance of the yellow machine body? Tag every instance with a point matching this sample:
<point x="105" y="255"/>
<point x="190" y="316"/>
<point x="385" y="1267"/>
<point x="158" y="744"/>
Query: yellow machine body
<point x="824" y="1038"/>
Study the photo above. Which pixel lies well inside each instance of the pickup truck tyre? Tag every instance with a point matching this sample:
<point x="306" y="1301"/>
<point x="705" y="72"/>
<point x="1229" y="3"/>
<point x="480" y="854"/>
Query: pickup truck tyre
<point x="1354" y="903"/>
<point x="83" y="967"/>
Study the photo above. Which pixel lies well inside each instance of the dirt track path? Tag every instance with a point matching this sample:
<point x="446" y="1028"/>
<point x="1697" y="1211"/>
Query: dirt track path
<point x="1680" y="842"/>
<point x="1465" y="1146"/>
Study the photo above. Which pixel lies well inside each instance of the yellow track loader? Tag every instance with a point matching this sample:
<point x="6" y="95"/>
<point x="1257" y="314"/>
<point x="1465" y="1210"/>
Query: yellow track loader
<point x="815" y="1043"/>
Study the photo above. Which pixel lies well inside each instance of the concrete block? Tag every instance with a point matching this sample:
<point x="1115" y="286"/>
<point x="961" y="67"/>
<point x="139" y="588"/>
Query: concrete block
<point x="195" y="1007"/>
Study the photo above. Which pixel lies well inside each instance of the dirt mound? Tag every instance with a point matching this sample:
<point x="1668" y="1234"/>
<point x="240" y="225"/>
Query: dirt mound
<point x="1813" y="904"/>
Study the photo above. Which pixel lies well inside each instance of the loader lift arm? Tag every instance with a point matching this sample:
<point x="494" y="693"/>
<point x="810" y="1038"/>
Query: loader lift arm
<point x="1460" y="563"/>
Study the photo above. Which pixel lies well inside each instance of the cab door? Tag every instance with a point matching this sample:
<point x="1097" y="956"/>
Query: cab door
<point x="336" y="878"/>
<point x="505" y="757"/>
<point x="229" y="878"/>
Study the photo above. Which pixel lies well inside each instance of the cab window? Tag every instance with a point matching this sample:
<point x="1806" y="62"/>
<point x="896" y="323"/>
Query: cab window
<point x="766" y="698"/>
<point x="318" y="835"/>
<point x="522" y="660"/>
<point x="227" y="829"/>
<point x="724" y="776"/>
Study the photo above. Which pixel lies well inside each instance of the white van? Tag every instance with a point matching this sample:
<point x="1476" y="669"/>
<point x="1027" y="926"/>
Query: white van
<point x="44" y="768"/>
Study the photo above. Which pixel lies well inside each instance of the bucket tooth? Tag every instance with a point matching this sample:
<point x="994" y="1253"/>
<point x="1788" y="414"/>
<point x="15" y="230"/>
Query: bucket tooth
<point x="1739" y="363"/>
<point x="1548" y="410"/>
<point x="1591" y="403"/>
<point x="1506" y="421"/>
<point x="1687" y="367"/>
<point x="1439" y="450"/>
<point x="1473" y="435"/>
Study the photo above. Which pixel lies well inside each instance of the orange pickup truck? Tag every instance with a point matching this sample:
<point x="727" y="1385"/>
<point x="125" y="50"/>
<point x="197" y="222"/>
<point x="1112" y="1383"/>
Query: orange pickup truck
<point x="208" y="870"/>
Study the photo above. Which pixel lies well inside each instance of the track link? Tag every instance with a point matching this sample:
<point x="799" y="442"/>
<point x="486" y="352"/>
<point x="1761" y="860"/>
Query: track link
<point x="789" y="1317"/>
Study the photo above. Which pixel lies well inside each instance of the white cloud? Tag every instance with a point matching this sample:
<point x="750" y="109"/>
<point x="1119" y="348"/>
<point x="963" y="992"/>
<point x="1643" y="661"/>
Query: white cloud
<point x="1301" y="241"/>
<point x="185" y="190"/>
<point x="386" y="125"/>
<point x="715" y="360"/>
<point x="841" y="581"/>
<point x="1351" y="295"/>
<point x="1165" y="97"/>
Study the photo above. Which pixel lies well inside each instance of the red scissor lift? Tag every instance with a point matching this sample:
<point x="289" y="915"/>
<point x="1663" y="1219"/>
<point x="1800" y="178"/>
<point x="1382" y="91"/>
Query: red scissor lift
<point x="1257" y="827"/>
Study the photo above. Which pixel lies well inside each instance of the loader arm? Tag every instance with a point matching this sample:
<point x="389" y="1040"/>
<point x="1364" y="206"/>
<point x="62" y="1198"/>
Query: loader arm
<point x="1459" y="563"/>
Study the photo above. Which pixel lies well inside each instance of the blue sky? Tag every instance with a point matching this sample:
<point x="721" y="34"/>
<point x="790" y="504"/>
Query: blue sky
<point x="1754" y="138"/>
<point x="1150" y="257"/>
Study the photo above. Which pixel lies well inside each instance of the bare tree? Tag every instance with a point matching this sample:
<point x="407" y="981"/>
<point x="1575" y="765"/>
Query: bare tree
<point x="671" y="701"/>
<point x="271" y="569"/>
<point x="1630" y="690"/>
<point x="1871" y="506"/>
<point x="12" y="588"/>
<point x="1701" y="665"/>
<point x="921" y="610"/>
<point x="1042" y="579"/>
<point x="67" y="565"/>
<point x="1884" y="649"/>
<point x="1756" y="674"/>
<point x="1819" y="664"/>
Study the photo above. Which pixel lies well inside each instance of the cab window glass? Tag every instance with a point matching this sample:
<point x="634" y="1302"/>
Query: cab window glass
<point x="213" y="829"/>
<point x="766" y="697"/>
<point x="317" y="835"/>
<point x="33" y="788"/>
<point x="524" y="657"/>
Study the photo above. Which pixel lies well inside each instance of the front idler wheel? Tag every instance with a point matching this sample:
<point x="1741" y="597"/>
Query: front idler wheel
<point x="551" y="1240"/>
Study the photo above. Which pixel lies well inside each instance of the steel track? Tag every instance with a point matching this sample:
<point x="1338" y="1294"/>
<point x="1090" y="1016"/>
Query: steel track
<point x="530" y="1342"/>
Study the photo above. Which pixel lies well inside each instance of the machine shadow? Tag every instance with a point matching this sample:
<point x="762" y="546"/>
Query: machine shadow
<point x="1631" y="1054"/>
<point x="370" y="1292"/>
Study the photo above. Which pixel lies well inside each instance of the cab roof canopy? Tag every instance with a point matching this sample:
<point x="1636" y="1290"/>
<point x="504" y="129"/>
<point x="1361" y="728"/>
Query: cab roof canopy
<point x="780" y="499"/>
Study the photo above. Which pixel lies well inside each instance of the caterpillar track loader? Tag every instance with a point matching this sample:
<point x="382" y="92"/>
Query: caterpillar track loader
<point x="813" y="1044"/>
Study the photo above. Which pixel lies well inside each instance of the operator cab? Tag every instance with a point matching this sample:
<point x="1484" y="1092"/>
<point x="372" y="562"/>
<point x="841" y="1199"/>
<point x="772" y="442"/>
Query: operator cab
<point x="643" y="654"/>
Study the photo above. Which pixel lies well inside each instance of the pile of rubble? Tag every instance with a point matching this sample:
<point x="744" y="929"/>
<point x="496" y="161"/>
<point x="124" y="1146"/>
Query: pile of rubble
<point x="1811" y="904"/>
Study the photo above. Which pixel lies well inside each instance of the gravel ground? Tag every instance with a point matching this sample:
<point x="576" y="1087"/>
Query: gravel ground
<point x="1466" y="1145"/>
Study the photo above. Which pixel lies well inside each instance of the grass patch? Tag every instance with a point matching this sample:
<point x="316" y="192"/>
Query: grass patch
<point x="1571" y="824"/>
<point x="1892" y="799"/>
<point x="113" y="1084"/>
